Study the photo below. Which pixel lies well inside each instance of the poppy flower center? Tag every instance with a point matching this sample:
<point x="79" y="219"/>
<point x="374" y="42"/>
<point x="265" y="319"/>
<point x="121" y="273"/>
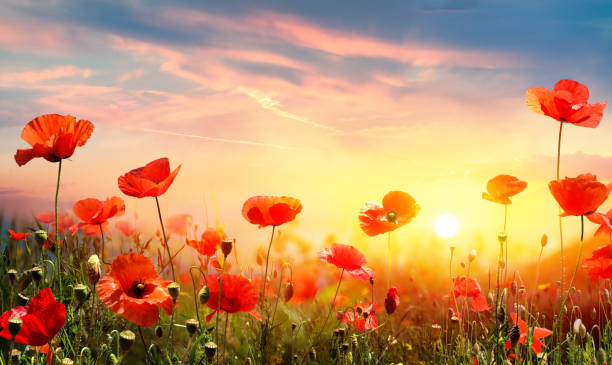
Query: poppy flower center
<point x="391" y="216"/>
<point x="138" y="288"/>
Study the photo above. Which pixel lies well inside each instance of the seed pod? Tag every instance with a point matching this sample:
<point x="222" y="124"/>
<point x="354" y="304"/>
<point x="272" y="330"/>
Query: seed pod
<point x="288" y="292"/>
<point x="174" y="289"/>
<point x="204" y="295"/>
<point x="293" y="326"/>
<point x="544" y="240"/>
<point x="37" y="274"/>
<point x="472" y="255"/>
<point x="576" y="326"/>
<point x="93" y="269"/>
<point x="436" y="331"/>
<point x="341" y="332"/>
<point x="502" y="237"/>
<point x="67" y="361"/>
<point x="582" y="331"/>
<point x="15" y="355"/>
<point x="501" y="315"/>
<point x="159" y="332"/>
<point x="345" y="347"/>
<point x="601" y="357"/>
<point x="12" y="275"/>
<point x="14" y="326"/>
<point x="192" y="326"/>
<point x="366" y="314"/>
<point x="514" y="335"/>
<point x="40" y="236"/>
<point x="126" y="340"/>
<point x="210" y="349"/>
<point x="226" y="246"/>
<point x="81" y="293"/>
<point x="22" y="299"/>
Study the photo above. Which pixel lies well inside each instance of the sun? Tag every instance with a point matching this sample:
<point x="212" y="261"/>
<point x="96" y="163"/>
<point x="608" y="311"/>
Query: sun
<point x="446" y="226"/>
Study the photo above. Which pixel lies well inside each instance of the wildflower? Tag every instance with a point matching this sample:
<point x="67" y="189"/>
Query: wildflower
<point x="209" y="242"/>
<point x="238" y="294"/>
<point x="580" y="195"/>
<point x="536" y="332"/>
<point x="567" y="103"/>
<point x="126" y="228"/>
<point x="132" y="289"/>
<point x="392" y="300"/>
<point x="42" y="319"/>
<point x="17" y="235"/>
<point x="347" y="258"/>
<point x="361" y="321"/>
<point x="152" y="180"/>
<point x="53" y="137"/>
<point x="470" y="288"/>
<point x="94" y="212"/>
<point x="599" y="265"/>
<point x="397" y="209"/>
<point x="179" y="223"/>
<point x="502" y="187"/>
<point x="93" y="269"/>
<point x="604" y="220"/>
<point x="270" y="210"/>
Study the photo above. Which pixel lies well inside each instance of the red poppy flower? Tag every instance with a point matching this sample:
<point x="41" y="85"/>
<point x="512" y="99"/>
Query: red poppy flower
<point x="153" y="179"/>
<point x="580" y="195"/>
<point x="53" y="137"/>
<point x="42" y="318"/>
<point x="126" y="228"/>
<point x="392" y="300"/>
<point x="359" y="322"/>
<point x="237" y="295"/>
<point x="470" y="289"/>
<point x="270" y="210"/>
<point x="347" y="258"/>
<point x="502" y="187"/>
<point x="304" y="285"/>
<point x="210" y="241"/>
<point x="537" y="333"/>
<point x="66" y="221"/>
<point x="17" y="235"/>
<point x="567" y="102"/>
<point x="132" y="289"/>
<point x="604" y="220"/>
<point x="599" y="265"/>
<point x="94" y="212"/>
<point x="397" y="209"/>
<point x="179" y="223"/>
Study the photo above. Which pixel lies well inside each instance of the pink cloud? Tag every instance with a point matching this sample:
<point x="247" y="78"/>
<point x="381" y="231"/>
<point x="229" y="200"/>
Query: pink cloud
<point x="46" y="74"/>
<point x="130" y="75"/>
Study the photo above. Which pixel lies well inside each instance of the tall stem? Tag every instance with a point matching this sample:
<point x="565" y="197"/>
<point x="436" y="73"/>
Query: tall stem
<point x="560" y="235"/>
<point x="331" y="309"/>
<point x="57" y="238"/>
<point x="264" y="328"/>
<point x="144" y="345"/>
<point x="219" y="306"/>
<point x="165" y="239"/>
<point x="389" y="267"/>
<point x="575" y="268"/>
<point x="102" y="235"/>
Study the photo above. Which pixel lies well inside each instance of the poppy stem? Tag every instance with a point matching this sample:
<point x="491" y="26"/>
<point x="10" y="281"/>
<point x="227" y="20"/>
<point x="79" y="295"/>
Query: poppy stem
<point x="264" y="328"/>
<point x="195" y="294"/>
<point x="144" y="345"/>
<point x="331" y="308"/>
<point x="57" y="240"/>
<point x="219" y="306"/>
<point x="389" y="267"/>
<point x="560" y="234"/>
<point x="161" y="222"/>
<point x="102" y="235"/>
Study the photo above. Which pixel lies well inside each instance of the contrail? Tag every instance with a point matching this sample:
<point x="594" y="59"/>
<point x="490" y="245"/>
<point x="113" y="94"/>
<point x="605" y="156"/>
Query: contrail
<point x="212" y="139"/>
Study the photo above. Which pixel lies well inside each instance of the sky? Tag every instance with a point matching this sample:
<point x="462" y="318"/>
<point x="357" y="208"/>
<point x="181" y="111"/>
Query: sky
<point x="334" y="103"/>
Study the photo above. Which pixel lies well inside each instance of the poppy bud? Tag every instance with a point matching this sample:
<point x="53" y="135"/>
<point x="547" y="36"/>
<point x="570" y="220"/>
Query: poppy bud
<point x="594" y="314"/>
<point x="126" y="340"/>
<point x="293" y="326"/>
<point x="174" y="289"/>
<point x="22" y="299"/>
<point x="12" y="275"/>
<point x="514" y="335"/>
<point x="192" y="326"/>
<point x="341" y="332"/>
<point x="14" y="326"/>
<point x="601" y="357"/>
<point x="502" y="237"/>
<point x="226" y="246"/>
<point x="41" y="236"/>
<point x="476" y="349"/>
<point x="36" y="273"/>
<point x="159" y="332"/>
<point x="582" y="331"/>
<point x="15" y="355"/>
<point x="372" y="280"/>
<point x="288" y="292"/>
<point x="472" y="255"/>
<point x="81" y="293"/>
<point x="544" y="240"/>
<point x="392" y="300"/>
<point x="436" y="330"/>
<point x="462" y="265"/>
<point x="576" y="326"/>
<point x="501" y="315"/>
<point x="514" y="287"/>
<point x="93" y="269"/>
<point x="210" y="348"/>
<point x="606" y="295"/>
<point x="67" y="361"/>
<point x="204" y="294"/>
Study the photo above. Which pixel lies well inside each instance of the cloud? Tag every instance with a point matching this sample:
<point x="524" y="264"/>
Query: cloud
<point x="32" y="77"/>
<point x="130" y="75"/>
